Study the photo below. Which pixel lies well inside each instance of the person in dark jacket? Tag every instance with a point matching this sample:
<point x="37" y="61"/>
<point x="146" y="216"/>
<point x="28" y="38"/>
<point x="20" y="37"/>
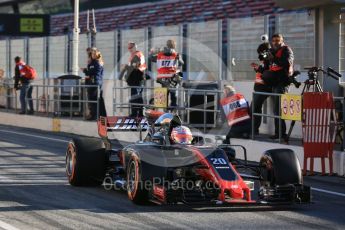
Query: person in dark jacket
<point x="280" y="69"/>
<point x="260" y="85"/>
<point x="24" y="85"/>
<point x="94" y="77"/>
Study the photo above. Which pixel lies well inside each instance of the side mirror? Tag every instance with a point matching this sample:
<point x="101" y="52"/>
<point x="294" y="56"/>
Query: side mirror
<point x="229" y="151"/>
<point x="176" y="121"/>
<point x="198" y="140"/>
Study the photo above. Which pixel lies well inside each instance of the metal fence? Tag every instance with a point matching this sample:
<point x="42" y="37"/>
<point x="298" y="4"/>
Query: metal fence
<point x="266" y="114"/>
<point x="8" y="97"/>
<point x="207" y="106"/>
<point x="340" y="111"/>
<point x="71" y="101"/>
<point x="51" y="100"/>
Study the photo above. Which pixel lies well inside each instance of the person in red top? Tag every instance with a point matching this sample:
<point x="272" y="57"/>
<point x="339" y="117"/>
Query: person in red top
<point x="168" y="63"/>
<point x="24" y="85"/>
<point x="134" y="74"/>
<point x="236" y="111"/>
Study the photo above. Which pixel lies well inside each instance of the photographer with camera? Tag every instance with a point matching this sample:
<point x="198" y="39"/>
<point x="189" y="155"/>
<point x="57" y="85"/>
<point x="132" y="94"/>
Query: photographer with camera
<point x="279" y="76"/>
<point x="259" y="84"/>
<point x="168" y="63"/>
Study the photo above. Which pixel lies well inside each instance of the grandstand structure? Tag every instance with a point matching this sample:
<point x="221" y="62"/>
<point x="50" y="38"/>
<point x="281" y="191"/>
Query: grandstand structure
<point x="165" y="13"/>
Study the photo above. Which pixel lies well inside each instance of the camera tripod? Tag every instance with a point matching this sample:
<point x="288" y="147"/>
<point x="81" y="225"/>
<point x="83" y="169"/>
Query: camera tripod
<point x="312" y="84"/>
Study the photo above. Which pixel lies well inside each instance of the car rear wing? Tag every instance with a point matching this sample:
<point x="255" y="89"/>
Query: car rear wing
<point x="121" y="124"/>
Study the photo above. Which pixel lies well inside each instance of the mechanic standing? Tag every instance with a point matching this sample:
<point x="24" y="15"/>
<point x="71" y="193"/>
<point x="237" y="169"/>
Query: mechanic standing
<point x="280" y="69"/>
<point x="134" y="74"/>
<point x="23" y="78"/>
<point x="168" y="63"/>
<point x="94" y="77"/>
<point x="260" y="85"/>
<point x="236" y="111"/>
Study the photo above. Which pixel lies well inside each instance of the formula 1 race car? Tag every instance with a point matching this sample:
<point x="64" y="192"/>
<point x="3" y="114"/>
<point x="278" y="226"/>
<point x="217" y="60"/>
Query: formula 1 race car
<point x="170" y="166"/>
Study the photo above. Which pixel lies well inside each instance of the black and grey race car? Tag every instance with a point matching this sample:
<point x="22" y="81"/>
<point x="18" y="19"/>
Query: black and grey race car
<point x="153" y="169"/>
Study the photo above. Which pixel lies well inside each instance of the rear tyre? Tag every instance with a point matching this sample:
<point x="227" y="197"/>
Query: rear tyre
<point x="280" y="167"/>
<point x="136" y="190"/>
<point x="85" y="161"/>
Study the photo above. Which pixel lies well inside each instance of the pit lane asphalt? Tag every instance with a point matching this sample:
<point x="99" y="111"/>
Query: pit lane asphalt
<point x="34" y="194"/>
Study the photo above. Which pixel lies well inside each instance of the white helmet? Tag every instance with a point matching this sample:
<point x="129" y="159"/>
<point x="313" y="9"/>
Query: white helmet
<point x="181" y="135"/>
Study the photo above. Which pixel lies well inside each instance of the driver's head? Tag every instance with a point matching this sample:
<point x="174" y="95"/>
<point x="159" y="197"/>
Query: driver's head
<point x="181" y="135"/>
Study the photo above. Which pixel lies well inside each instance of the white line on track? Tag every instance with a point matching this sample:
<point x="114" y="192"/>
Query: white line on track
<point x="37" y="136"/>
<point x="328" y="192"/>
<point x="7" y="226"/>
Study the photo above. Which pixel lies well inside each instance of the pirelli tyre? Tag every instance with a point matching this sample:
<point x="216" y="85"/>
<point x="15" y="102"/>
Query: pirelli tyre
<point x="85" y="161"/>
<point x="280" y="167"/>
<point x="136" y="190"/>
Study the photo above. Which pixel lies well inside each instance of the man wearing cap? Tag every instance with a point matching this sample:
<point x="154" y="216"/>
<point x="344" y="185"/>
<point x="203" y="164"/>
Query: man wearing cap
<point x="135" y="75"/>
<point x="236" y="111"/>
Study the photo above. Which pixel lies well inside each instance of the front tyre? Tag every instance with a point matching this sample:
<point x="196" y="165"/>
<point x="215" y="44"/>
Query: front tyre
<point x="282" y="179"/>
<point x="136" y="190"/>
<point x="280" y="167"/>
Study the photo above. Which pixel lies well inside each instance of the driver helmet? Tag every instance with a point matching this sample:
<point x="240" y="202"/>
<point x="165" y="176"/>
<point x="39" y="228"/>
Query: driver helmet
<point x="181" y="135"/>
